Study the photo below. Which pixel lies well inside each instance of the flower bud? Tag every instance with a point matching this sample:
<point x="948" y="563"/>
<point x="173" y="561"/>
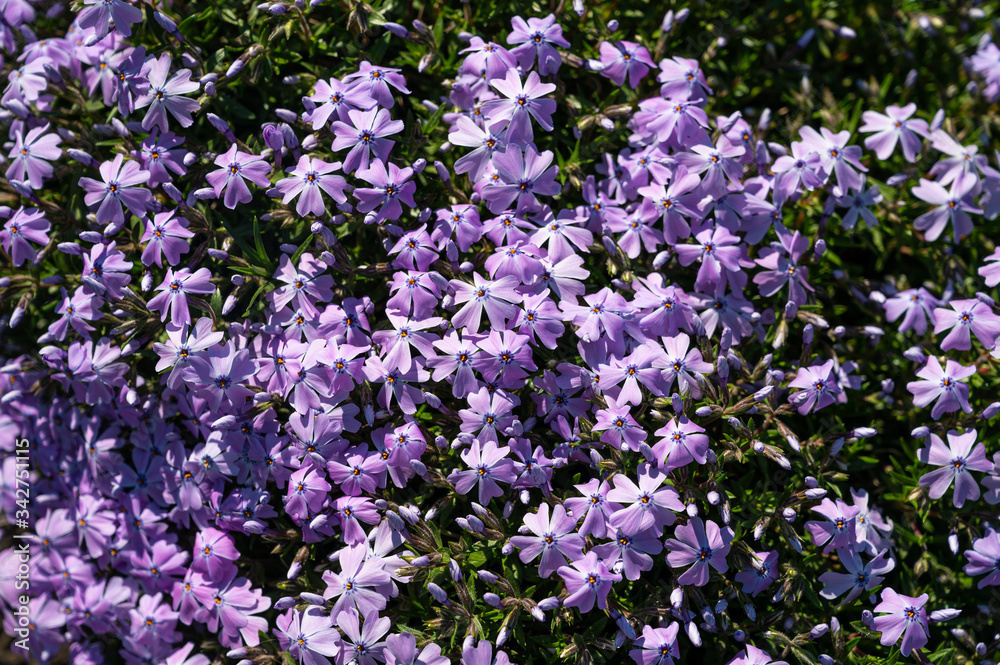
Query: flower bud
<point x="491" y="599"/>
<point x="944" y="615"/>
<point x="921" y="432"/>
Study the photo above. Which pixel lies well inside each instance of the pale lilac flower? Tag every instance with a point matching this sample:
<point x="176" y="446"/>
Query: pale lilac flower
<point x="621" y="59"/>
<point x="489" y="413"/>
<point x="334" y="99"/>
<point x="165" y="235"/>
<point x="308" y="636"/>
<point x="174" y="290"/>
<point x="310" y="179"/>
<point x="564" y="237"/>
<point x="683" y="442"/>
<point x="782" y="267"/>
<point x="801" y="170"/>
<point x="482" y="654"/>
<point x="942" y="384"/>
<point x="719" y="253"/>
<point x="860" y="577"/>
<point x="839" y="531"/>
<point x="620" y="428"/>
<point x="524" y="101"/>
<point x="119" y="189"/>
<point x="683" y="364"/>
<point x="461" y="221"/>
<point x="892" y="127"/>
<point x="498" y="298"/>
<point x="236" y="167"/>
<point x="105" y="270"/>
<point x="965" y="317"/>
<point x="953" y="206"/>
<point x="656" y="646"/>
<point x="673" y="204"/>
<point x="902" y="616"/>
<point x="523" y="175"/>
<point x="374" y="82"/>
<point x="554" y="539"/>
<point x="991" y="273"/>
<point x="915" y="306"/>
<point x="74" y="311"/>
<point x="682" y="79"/>
<point x="588" y="581"/>
<point x="858" y="203"/>
<point x="699" y="544"/>
<point x="754" y="656"/>
<point x="31" y="154"/>
<point x="648" y="506"/>
<point x="487" y="60"/>
<point x="401" y="649"/>
<point x="388" y="188"/>
<point x="718" y="164"/>
<point x="537" y="36"/>
<point x="487" y="143"/>
<point x="100" y="13"/>
<point x="984" y="557"/>
<point x="762" y="573"/>
<point x="963" y="160"/>
<point x="365" y="137"/>
<point x="304" y="286"/>
<point x="630" y="553"/>
<point x="593" y="507"/>
<point x="957" y="461"/>
<point x="836" y="156"/>
<point x="167" y="95"/>
<point x="819" y="385"/>
<point x="353" y="586"/>
<point x="487" y="464"/>
<point x="634" y="369"/>
<point x="23" y="226"/>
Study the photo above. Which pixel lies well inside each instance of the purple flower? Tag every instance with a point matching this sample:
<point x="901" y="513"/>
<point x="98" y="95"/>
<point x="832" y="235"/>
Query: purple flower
<point x="836" y="156"/>
<point x="801" y="170"/>
<point x="308" y="636"/>
<point x="523" y="175"/>
<point x="564" y="237"/>
<point x="31" y="155"/>
<point x="966" y="316"/>
<point x="24" y="225"/>
<point x="167" y="95"/>
<point x="858" y="203"/>
<point x="105" y="270"/>
<point x="158" y="154"/>
<point x="120" y="188"/>
<point x="488" y="464"/>
<point x="648" y="506"/>
<point x="74" y="311"/>
<point x="633" y="369"/>
<point x="486" y="143"/>
<point x="523" y="101"/>
<point x="505" y="357"/>
<point x="588" y="581"/>
<point x="682" y="79"/>
<point x="219" y="374"/>
<point x="630" y="553"/>
<point x="364" y="645"/>
<point x="310" y="178"/>
<point x="819" y="385"/>
<point x="554" y="539"/>
<point x="671" y="202"/>
<point x="351" y="586"/>
<point x="395" y="383"/>
<point x="984" y="557"/>
<point x="762" y="573"/>
<point x="99" y="14"/>
<point x="604" y="312"/>
<point x="782" y="267"/>
<point x="335" y="99"/>
<point x="683" y="442"/>
<point x="537" y="36"/>
<point x="540" y="318"/>
<point x="892" y="127"/>
<point x="839" y="531"/>
<point x="358" y="473"/>
<point x="593" y="507"/>
<point x="719" y="253"/>
<point x="953" y="206"/>
<point x="457" y="360"/>
<point x="957" y="461"/>
<point x="236" y="167"/>
<point x="620" y="428"/>
<point x="901" y="616"/>
<point x="621" y="59"/>
<point x="401" y="649"/>
<point x="754" y="656"/>
<point x="165" y="234"/>
<point x="685" y="366"/>
<point x="375" y="81"/>
<point x="701" y="544"/>
<point x="943" y="385"/>
<point x="387" y="190"/>
<point x="915" y="306"/>
<point x="991" y="273"/>
<point x="719" y="164"/>
<point x="461" y="221"/>
<point x="657" y="646"/>
<point x="174" y="291"/>
<point x="365" y="136"/>
<point x="496" y="297"/>
<point x="482" y="654"/>
<point x="860" y="577"/>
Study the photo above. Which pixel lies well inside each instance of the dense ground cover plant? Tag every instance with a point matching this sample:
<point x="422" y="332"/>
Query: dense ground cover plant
<point x="500" y="333"/>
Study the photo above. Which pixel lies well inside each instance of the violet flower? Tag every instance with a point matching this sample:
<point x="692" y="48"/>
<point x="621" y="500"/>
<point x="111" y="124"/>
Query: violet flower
<point x="165" y="235"/>
<point x="387" y="189"/>
<point x="754" y="656"/>
<point x="167" y="95"/>
<point x="656" y="646"/>
<point x="487" y="143"/>
<point x="588" y="581"/>
<point x="523" y="102"/>
<point x="782" y="267"/>
<point x="648" y="506"/>
<point x="310" y="179"/>
<point x="335" y="99"/>
<point x="957" y="461"/>
<point x="683" y="442"/>
<point x="620" y="428"/>
<point x="352" y="587"/>
<point x="762" y="573"/>
<point x="983" y="558"/>
<point x="100" y="13"/>
<point x="819" y="385"/>
<point x="942" y="384"/>
<point x="621" y="59"/>
<point x="953" y="206"/>
<point x="860" y="577"/>
<point x="497" y="298"/>
<point x="119" y="190"/>
<point x="523" y="176"/>
<point x="374" y="82"/>
<point x="966" y="316"/>
<point x="31" y="154"/>
<point x="701" y="544"/>
<point x="482" y="654"/>
<point x="488" y="464"/>
<point x="174" y="291"/>
<point x="537" y="37"/>
<point x="901" y="616"/>
<point x="24" y="227"/>
<point x="915" y="306"/>
<point x="682" y="364"/>
<point x="365" y="136"/>
<point x="236" y="167"/>
<point x="895" y="126"/>
<point x="839" y="529"/>
<point x="308" y="636"/>
<point x="555" y="539"/>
